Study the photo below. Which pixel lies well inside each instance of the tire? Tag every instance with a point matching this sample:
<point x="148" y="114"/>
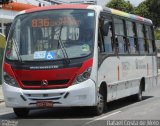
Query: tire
<point x="99" y="108"/>
<point x="21" y="112"/>
<point x="101" y="103"/>
<point x="139" y="96"/>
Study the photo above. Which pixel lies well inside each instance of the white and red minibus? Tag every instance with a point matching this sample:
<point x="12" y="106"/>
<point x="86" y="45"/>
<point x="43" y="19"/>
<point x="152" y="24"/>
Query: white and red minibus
<point x="77" y="55"/>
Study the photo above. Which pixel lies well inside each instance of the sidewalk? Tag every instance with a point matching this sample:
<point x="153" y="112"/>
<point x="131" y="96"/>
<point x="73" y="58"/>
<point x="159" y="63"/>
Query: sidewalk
<point x="1" y="94"/>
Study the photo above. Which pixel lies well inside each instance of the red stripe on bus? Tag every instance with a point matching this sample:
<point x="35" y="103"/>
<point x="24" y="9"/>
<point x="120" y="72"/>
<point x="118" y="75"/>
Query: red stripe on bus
<point x="32" y="76"/>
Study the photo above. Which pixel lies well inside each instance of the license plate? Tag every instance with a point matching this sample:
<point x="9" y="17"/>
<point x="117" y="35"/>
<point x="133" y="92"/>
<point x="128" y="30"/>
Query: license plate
<point x="44" y="104"/>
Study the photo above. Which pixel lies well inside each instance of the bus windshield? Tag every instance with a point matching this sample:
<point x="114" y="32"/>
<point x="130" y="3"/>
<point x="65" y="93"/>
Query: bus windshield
<point x="51" y="35"/>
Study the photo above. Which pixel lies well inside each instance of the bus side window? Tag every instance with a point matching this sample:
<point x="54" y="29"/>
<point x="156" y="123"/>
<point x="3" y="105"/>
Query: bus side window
<point x="131" y="36"/>
<point x="108" y="41"/>
<point x="120" y="36"/>
<point x="149" y="38"/>
<point x="120" y="43"/>
<point x="141" y="40"/>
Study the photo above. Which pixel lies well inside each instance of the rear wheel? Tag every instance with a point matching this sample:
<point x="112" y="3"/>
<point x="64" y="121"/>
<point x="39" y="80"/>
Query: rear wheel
<point x="139" y="96"/>
<point x="21" y="112"/>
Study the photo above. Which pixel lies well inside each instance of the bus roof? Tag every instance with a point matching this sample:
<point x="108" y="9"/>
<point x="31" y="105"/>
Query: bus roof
<point x="60" y="6"/>
<point x="127" y="15"/>
<point x="85" y="6"/>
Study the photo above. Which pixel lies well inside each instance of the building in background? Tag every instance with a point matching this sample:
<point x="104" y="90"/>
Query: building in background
<point x="9" y="11"/>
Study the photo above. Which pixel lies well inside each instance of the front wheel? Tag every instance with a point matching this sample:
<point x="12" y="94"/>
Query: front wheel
<point x="21" y="112"/>
<point x="101" y="104"/>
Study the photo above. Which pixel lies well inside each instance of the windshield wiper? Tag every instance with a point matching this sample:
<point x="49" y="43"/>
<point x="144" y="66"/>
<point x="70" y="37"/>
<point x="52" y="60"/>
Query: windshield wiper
<point x="62" y="47"/>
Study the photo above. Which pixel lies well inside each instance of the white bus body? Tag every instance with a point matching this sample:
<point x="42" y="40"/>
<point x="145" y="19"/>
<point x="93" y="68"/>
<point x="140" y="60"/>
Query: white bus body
<point x="112" y="76"/>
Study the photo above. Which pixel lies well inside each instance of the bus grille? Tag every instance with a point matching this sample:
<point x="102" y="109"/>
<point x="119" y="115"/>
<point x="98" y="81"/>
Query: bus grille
<point x="50" y="82"/>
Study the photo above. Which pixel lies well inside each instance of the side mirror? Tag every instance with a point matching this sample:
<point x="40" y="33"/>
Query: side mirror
<point x="105" y="28"/>
<point x="8" y="26"/>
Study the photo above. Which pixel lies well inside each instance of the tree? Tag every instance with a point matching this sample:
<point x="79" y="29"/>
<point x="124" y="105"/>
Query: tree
<point x="4" y="1"/>
<point x="155" y="9"/>
<point x="149" y="9"/>
<point x="157" y="34"/>
<point x="121" y="5"/>
<point x="142" y="10"/>
<point x="155" y="6"/>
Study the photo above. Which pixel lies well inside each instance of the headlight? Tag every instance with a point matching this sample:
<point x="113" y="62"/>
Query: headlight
<point x="83" y="77"/>
<point x="9" y="80"/>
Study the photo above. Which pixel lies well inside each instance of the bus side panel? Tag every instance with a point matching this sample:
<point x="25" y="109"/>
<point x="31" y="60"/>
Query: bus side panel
<point x="107" y="72"/>
<point x="155" y="74"/>
<point x="151" y="79"/>
<point x="123" y="75"/>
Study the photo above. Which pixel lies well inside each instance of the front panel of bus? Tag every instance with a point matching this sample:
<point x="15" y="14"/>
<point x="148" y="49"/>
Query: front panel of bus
<point x="49" y="57"/>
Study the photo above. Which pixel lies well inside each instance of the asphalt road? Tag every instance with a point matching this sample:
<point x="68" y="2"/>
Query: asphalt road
<point x="123" y="109"/>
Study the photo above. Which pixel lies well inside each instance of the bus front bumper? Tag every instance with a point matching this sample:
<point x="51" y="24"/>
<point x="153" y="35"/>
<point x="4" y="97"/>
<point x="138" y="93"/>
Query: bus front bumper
<point x="82" y="94"/>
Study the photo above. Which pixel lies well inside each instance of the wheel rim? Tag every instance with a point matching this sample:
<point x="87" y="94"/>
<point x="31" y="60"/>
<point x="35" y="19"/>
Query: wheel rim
<point x="100" y="104"/>
<point x="140" y="94"/>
